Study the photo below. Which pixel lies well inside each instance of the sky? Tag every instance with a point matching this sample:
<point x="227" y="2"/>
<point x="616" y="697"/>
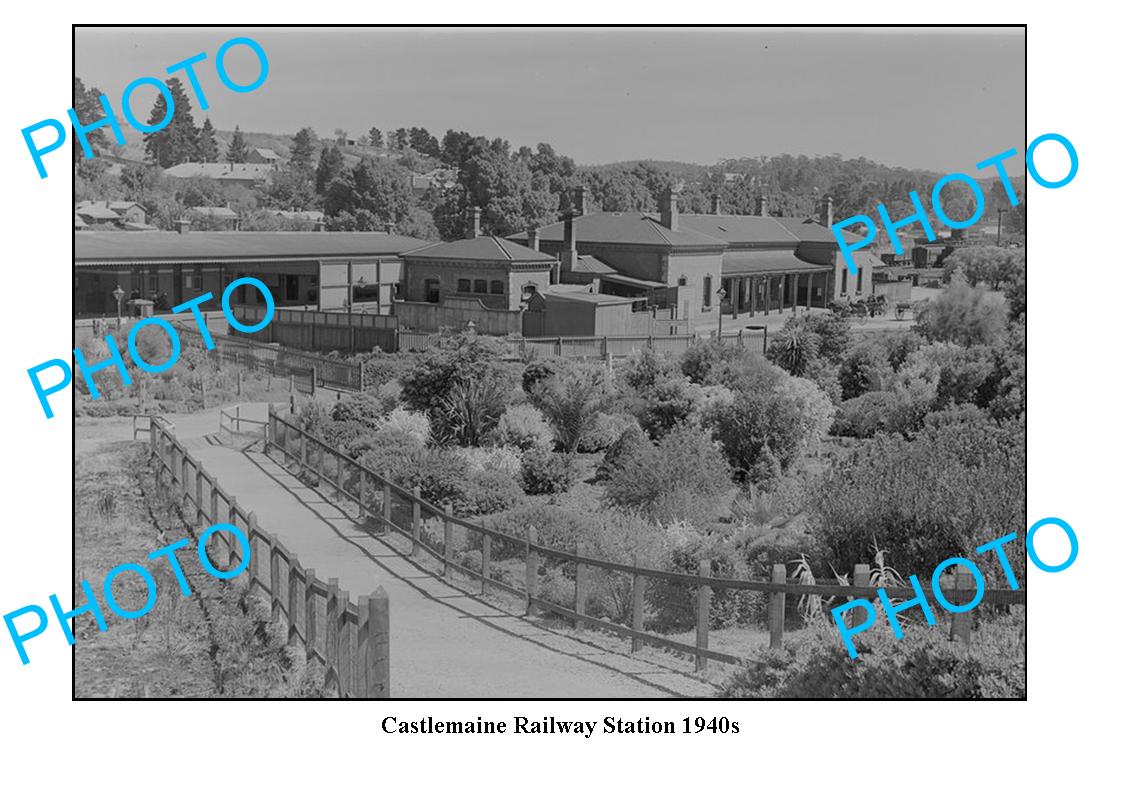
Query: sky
<point x="939" y="99"/>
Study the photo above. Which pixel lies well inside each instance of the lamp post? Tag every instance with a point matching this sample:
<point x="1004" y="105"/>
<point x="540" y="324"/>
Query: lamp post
<point x="118" y="294"/>
<point x="721" y="293"/>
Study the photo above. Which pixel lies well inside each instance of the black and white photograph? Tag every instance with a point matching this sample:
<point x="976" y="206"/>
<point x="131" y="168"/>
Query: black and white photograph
<point x="540" y="363"/>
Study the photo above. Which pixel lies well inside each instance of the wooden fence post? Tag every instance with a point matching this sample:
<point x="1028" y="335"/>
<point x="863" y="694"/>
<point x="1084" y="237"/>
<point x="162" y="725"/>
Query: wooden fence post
<point x="702" y="617"/>
<point x="275" y="580"/>
<point x="292" y="384"/>
<point x="362" y="494"/>
<point x="961" y="622"/>
<point x="231" y="556"/>
<point x="239" y="383"/>
<point x="776" y="604"/>
<point x="214" y="505"/>
<point x="331" y="634"/>
<point x="485" y="563"/>
<point x="310" y="613"/>
<point x="531" y="568"/>
<point x="415" y="526"/>
<point x="378" y="666"/>
<point x="446" y="552"/>
<point x="861" y="578"/>
<point x="387" y="506"/>
<point x="293" y="603"/>
<point x="639" y="587"/>
<point x="313" y="380"/>
<point x="346" y="639"/>
<point x="339" y="465"/>
<point x="580" y="588"/>
<point x="200" y="515"/>
<point x="255" y="560"/>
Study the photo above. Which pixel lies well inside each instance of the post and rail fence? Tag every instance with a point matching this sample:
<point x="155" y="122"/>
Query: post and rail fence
<point x="430" y="528"/>
<point x="350" y="639"/>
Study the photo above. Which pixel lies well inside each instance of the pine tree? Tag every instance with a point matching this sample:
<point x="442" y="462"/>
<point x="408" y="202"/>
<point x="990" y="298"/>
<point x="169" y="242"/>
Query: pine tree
<point x="178" y="141"/>
<point x="237" y="151"/>
<point x="303" y="148"/>
<point x="330" y="167"/>
<point x="208" y="146"/>
<point x="375" y="136"/>
<point x="87" y="106"/>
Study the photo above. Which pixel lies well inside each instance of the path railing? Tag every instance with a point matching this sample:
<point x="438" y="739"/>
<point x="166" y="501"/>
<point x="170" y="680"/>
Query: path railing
<point x="434" y="529"/>
<point x="351" y="640"/>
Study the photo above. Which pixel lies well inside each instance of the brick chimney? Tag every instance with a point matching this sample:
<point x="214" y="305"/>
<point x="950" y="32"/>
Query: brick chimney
<point x="182" y="225"/>
<point x="669" y="213"/>
<point x="762" y="205"/>
<point x="715" y="205"/>
<point x="579" y="202"/>
<point x="532" y="238"/>
<point x="320" y="226"/>
<point x="475" y="228"/>
<point x="826" y="212"/>
<point x="568" y="255"/>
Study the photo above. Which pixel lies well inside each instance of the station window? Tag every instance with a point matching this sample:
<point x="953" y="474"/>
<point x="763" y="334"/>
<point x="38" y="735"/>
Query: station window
<point x="464" y="285"/>
<point x="707" y="291"/>
<point x="497" y="287"/>
<point x="480" y="286"/>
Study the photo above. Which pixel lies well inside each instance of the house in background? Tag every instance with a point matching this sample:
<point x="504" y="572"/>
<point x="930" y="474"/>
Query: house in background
<point x="215" y="217"/>
<point x="98" y="215"/>
<point x="248" y="175"/>
<point x="263" y="155"/>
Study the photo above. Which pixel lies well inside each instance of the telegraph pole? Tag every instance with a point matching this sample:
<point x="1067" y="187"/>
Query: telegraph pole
<point x="1000" y="212"/>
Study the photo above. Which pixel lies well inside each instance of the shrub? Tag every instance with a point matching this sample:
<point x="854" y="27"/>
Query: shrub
<point x="556" y="527"/>
<point x="757" y="432"/>
<point x="899" y="346"/>
<point x="471" y="410"/>
<point x="683" y="477"/>
<point x="964" y="315"/>
<point x="865" y="415"/>
<point x="709" y="361"/>
<point x="488" y="492"/>
<point x="623" y="449"/>
<point x="922" y="665"/>
<point x="606" y="430"/>
<point x="570" y="401"/>
<point x="341" y="434"/>
<point x="646" y="369"/>
<point x="1009" y="398"/>
<point x="813" y="408"/>
<point x="539" y="370"/>
<point x="922" y="499"/>
<point x="666" y="404"/>
<point x="832" y="330"/>
<point x="413" y="425"/>
<point x="794" y="347"/>
<point x="363" y="407"/>
<point x="523" y="427"/>
<point x="455" y="359"/>
<point x="865" y="368"/>
<point x="312" y="417"/>
<point x="956" y="373"/>
<point x="478" y="460"/>
<point x="547" y="473"/>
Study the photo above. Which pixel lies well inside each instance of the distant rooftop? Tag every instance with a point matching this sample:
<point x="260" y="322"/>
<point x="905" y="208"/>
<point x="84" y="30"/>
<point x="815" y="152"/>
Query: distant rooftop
<point x="486" y="248"/>
<point x="93" y="247"/>
<point x="638" y="229"/>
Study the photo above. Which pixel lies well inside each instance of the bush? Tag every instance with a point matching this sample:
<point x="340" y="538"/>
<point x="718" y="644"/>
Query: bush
<point x="865" y="368"/>
<point x="471" y="410"/>
<point x="413" y="425"/>
<point x="605" y="431"/>
<point x="547" y="473"/>
<point x="759" y="432"/>
<point x="865" y="415"/>
<point x="479" y="460"/>
<point x="962" y="314"/>
<point x="488" y="492"/>
<point x="813" y="408"/>
<point x="570" y="400"/>
<point x="684" y="477"/>
<point x="341" y="434"/>
<point x="956" y="373"/>
<point x="922" y="665"/>
<point x="666" y="404"/>
<point x="646" y="369"/>
<point x="832" y="330"/>
<point x="923" y="499"/>
<point x="363" y="407"/>
<point x="794" y="348"/>
<point x="539" y="370"/>
<point x="623" y="449"/>
<point x="455" y="359"/>
<point x="899" y="346"/>
<point x="523" y="427"/>
<point x="709" y="361"/>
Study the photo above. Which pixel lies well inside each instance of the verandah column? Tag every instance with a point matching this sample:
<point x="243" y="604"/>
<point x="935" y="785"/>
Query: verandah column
<point x="752" y="297"/>
<point x="810" y="280"/>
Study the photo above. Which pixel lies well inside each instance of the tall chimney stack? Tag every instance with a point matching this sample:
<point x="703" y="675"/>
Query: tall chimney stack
<point x="475" y="222"/>
<point x="568" y="257"/>
<point x="826" y="212"/>
<point x="579" y="201"/>
<point x="182" y="225"/>
<point x="669" y="214"/>
<point x="532" y="238"/>
<point x="715" y="205"/>
<point x="762" y="205"/>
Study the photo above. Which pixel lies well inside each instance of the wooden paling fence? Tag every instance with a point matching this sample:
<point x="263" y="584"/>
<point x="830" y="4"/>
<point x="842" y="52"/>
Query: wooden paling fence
<point x="351" y="640"/>
<point x="433" y="529"/>
<point x="304" y="371"/>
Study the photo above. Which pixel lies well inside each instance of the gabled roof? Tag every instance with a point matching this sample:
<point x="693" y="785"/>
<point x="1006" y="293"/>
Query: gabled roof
<point x="487" y="248"/>
<point x="762" y="230"/>
<point x="221" y="171"/>
<point x="268" y="154"/>
<point x="92" y="248"/>
<point x="122" y="206"/>
<point x="636" y="229"/>
<point x="78" y="222"/>
<point x="97" y="212"/>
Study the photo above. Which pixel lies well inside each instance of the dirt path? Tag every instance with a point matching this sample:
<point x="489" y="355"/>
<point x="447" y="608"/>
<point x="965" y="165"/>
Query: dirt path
<point x="444" y="642"/>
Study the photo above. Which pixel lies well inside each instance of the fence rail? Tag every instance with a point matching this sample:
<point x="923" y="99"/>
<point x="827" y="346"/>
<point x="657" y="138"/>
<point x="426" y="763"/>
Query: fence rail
<point x="405" y="512"/>
<point x="351" y="640"/>
<point x="305" y="371"/>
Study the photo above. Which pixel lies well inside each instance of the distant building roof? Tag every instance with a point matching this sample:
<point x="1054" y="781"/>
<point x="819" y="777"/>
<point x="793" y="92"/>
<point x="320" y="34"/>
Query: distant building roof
<point x="588" y="264"/>
<point x="486" y="248"/>
<point x="97" y="212"/>
<point x="135" y="226"/>
<point x="762" y="230"/>
<point x="637" y="229"/>
<point x="300" y="215"/>
<point x="553" y="293"/>
<point x="94" y="248"/>
<point x="267" y="154"/>
<point x="121" y="207"/>
<point x="214" y="212"/>
<point x="221" y="171"/>
<point x="78" y="222"/>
